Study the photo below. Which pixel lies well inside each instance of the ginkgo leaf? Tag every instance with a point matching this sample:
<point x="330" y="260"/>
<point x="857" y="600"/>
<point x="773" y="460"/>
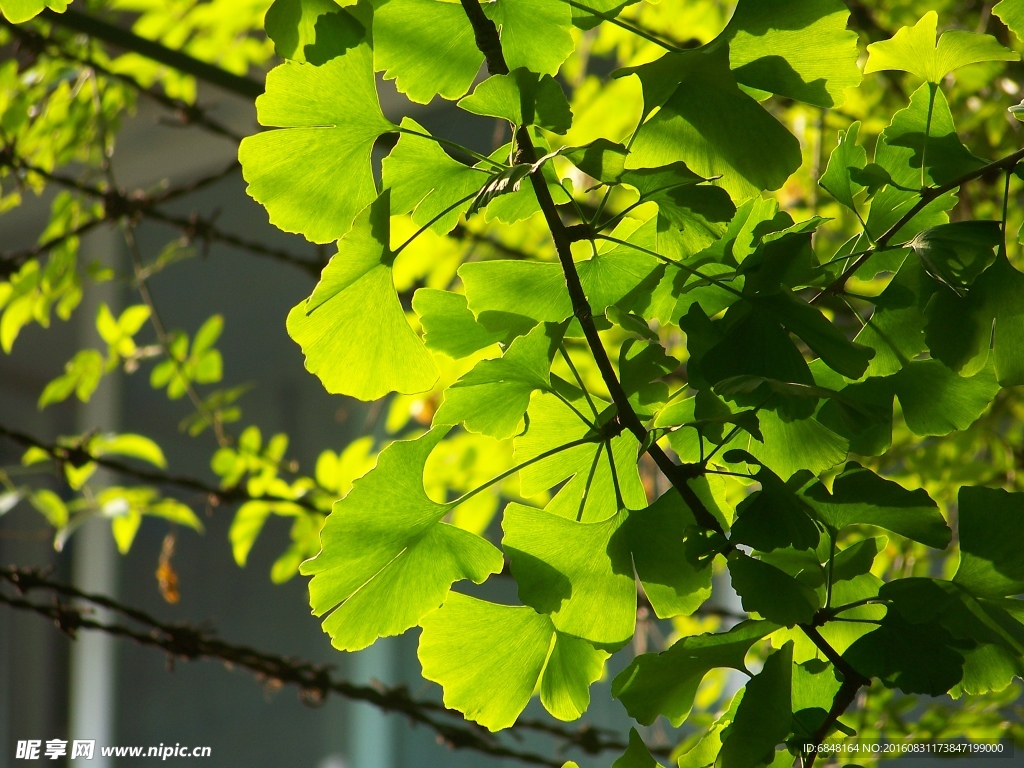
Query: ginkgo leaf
<point x="921" y="134"/>
<point x="936" y="401"/>
<point x="386" y="558"/>
<point x="896" y="328"/>
<point x="427" y="47"/>
<point x="914" y="657"/>
<point x="582" y="574"/>
<point x="535" y="34"/>
<point x="699" y="211"/>
<point x="813" y="328"/>
<point x="774" y="517"/>
<point x="1011" y="13"/>
<point x="988" y="637"/>
<point x="448" y="325"/>
<point x="846" y="157"/>
<point x="991" y="536"/>
<point x="18" y="11"/>
<point x="531" y="289"/>
<point x="787" y="446"/>
<point x="352" y="329"/>
<point x="959" y="329"/>
<point x="636" y="755"/>
<point x="860" y="497"/>
<point x="523" y="98"/>
<point x="589" y="493"/>
<point x="424" y="179"/>
<point x="800" y="49"/>
<point x="771" y="592"/>
<point x="711" y="125"/>
<point x="813" y="688"/>
<point x="311" y="30"/>
<point x="313" y="173"/>
<point x="666" y="683"/>
<point x="765" y="715"/>
<point x="915" y="50"/>
<point x="955" y="254"/>
<point x="494" y="395"/>
<point x="490" y="659"/>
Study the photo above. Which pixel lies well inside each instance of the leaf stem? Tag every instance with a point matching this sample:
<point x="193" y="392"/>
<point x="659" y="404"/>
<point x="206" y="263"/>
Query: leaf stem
<point x="590" y="480"/>
<point x="717" y="280"/>
<point x="431" y="223"/>
<point x="639" y="32"/>
<point x="566" y="402"/>
<point x="932" y="88"/>
<point x="522" y="465"/>
<point x="457" y="147"/>
<point x="830" y="569"/>
<point x="579" y="379"/>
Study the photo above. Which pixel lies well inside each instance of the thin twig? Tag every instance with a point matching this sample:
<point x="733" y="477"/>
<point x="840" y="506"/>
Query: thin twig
<point x="315" y="681"/>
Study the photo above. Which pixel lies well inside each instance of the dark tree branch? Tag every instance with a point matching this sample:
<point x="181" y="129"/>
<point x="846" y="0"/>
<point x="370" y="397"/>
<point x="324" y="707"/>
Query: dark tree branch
<point x="245" y="87"/>
<point x="488" y="42"/>
<point x="78" y="456"/>
<point x="852" y="682"/>
<point x="187" y="114"/>
<point x="927" y="195"/>
<point x="140" y="204"/>
<point x="315" y="681"/>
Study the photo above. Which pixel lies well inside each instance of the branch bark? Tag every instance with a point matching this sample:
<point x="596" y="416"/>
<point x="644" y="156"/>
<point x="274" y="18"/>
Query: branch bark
<point x="245" y="87"/>
<point x="488" y="42"/>
<point x="315" y="681"/>
<point x="927" y="196"/>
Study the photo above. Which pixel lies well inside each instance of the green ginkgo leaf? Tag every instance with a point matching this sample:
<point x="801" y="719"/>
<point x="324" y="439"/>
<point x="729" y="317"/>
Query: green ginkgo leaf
<point x="1011" y="13"/>
<point x="637" y="755"/>
<point x="426" y="180"/>
<point x="448" y="325"/>
<point x="771" y="592"/>
<point x="914" y="657"/>
<point x="18" y="11"/>
<point x="860" y="497"/>
<point x="666" y="683"/>
<point x="386" y="558"/>
<point x="955" y="254"/>
<point x="582" y="574"/>
<point x="915" y="50"/>
<point x="765" y="715"/>
<point x="523" y="98"/>
<point x="426" y="47"/>
<point x="799" y="49"/>
<point x="353" y="330"/>
<point x="535" y="34"/>
<point x="774" y="517"/>
<point x="490" y="659"/>
<point x="313" y="174"/>
<point x="895" y="330"/>
<point x="588" y="492"/>
<point x="532" y="290"/>
<point x="313" y="31"/>
<point x="987" y="635"/>
<point x="936" y="401"/>
<point x="991" y="536"/>
<point x="959" y="329"/>
<point x="494" y="395"/>
<point x="846" y="157"/>
<point x="921" y="134"/>
<point x="711" y="125"/>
